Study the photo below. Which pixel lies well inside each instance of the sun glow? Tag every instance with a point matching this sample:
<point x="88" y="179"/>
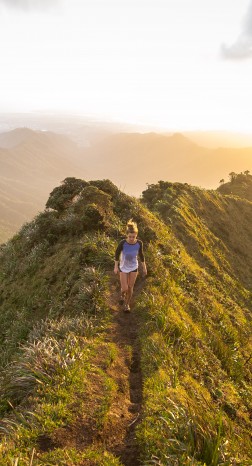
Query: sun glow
<point x="157" y="62"/>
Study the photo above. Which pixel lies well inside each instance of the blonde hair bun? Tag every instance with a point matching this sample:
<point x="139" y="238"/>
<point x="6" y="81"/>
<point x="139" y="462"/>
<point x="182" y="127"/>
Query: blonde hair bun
<point x="131" y="226"/>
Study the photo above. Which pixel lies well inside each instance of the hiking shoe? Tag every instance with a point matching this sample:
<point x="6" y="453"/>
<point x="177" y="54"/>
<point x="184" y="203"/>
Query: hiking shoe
<point x="126" y="308"/>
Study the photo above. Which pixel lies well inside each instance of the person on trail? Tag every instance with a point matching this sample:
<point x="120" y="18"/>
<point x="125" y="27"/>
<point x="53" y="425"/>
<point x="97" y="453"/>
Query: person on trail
<point x="126" y="262"/>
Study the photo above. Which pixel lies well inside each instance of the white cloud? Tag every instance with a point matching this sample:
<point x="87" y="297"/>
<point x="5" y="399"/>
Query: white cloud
<point x="29" y="4"/>
<point x="242" y="47"/>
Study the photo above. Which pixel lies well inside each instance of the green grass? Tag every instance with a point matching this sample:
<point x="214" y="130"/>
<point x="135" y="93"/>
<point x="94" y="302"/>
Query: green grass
<point x="58" y="382"/>
<point x="62" y="457"/>
<point x="182" y="373"/>
<point x="195" y="327"/>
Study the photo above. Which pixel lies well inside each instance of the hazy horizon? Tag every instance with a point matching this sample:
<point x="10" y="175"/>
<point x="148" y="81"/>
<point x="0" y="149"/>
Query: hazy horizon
<point x="80" y="127"/>
<point x="33" y="163"/>
<point x="172" y="65"/>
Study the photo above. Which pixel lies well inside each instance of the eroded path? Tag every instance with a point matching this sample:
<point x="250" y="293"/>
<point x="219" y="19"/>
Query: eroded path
<point x="118" y="433"/>
<point x="126" y="371"/>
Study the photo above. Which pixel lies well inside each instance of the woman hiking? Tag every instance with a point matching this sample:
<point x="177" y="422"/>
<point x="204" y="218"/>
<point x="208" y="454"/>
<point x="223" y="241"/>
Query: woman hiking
<point x="126" y="262"/>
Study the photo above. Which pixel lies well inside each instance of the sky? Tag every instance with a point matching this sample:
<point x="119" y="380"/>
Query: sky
<point x="177" y="64"/>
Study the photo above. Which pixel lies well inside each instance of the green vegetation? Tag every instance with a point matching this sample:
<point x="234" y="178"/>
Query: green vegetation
<point x="56" y="387"/>
<point x="240" y="184"/>
<point x="197" y="346"/>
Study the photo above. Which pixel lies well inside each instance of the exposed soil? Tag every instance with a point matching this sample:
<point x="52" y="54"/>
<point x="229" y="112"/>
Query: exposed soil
<point x="124" y="334"/>
<point x="118" y="434"/>
<point x="45" y="443"/>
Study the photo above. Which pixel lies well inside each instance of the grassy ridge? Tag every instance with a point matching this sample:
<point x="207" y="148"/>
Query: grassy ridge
<point x="214" y="229"/>
<point x="240" y="184"/>
<point x="197" y="345"/>
<point x="55" y="391"/>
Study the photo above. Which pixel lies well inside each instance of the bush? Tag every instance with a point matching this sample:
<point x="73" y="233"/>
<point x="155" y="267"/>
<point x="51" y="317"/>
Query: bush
<point x="61" y="195"/>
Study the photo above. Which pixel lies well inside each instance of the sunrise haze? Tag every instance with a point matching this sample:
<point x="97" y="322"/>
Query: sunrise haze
<point x="125" y="121"/>
<point x="176" y="64"/>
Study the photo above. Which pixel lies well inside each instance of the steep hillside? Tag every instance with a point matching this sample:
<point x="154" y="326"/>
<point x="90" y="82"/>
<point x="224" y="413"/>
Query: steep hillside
<point x="133" y="159"/>
<point x="215" y="229"/>
<point x="32" y="163"/>
<point x="240" y="184"/>
<point x="71" y="389"/>
<point x="15" y="137"/>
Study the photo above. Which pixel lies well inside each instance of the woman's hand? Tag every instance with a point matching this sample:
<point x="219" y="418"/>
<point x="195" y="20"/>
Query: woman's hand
<point x="116" y="269"/>
<point x="144" y="269"/>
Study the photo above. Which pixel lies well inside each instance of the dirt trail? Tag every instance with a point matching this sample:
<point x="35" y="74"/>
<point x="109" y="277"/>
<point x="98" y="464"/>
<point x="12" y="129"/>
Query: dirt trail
<point x="118" y="434"/>
<point x="126" y="371"/>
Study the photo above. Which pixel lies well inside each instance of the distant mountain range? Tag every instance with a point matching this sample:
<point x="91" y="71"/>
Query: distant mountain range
<point x="86" y="129"/>
<point x="33" y="162"/>
<point x="132" y="159"/>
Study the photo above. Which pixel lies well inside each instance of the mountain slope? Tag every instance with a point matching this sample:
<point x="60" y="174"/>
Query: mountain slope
<point x="31" y="164"/>
<point x="132" y="159"/>
<point x="15" y="137"/>
<point x="240" y="185"/>
<point x="60" y="377"/>
<point x="215" y="229"/>
<point x="214" y="139"/>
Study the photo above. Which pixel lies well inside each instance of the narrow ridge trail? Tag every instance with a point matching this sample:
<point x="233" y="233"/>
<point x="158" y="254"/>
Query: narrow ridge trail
<point x="125" y="412"/>
<point x="118" y="435"/>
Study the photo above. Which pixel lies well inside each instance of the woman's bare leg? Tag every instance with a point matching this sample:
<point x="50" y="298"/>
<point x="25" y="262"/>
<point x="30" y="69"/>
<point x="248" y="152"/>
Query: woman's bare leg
<point x="124" y="284"/>
<point x="131" y="282"/>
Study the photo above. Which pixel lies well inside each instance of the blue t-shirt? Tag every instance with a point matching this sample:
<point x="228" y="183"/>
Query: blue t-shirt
<point x="128" y="254"/>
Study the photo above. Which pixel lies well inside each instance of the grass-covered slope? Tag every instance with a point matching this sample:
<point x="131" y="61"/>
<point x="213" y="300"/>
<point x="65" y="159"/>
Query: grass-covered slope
<point x="216" y="230"/>
<point x="197" y="345"/>
<point x="56" y="382"/>
<point x="55" y="391"/>
<point x="240" y="184"/>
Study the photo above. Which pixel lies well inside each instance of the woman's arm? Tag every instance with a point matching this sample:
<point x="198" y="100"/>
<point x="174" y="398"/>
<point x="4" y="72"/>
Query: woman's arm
<point x="117" y="256"/>
<point x="116" y="268"/>
<point x="142" y="258"/>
